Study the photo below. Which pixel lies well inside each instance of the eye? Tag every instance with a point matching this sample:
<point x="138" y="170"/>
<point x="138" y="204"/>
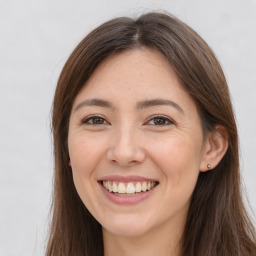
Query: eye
<point x="160" y="121"/>
<point x="94" y="120"/>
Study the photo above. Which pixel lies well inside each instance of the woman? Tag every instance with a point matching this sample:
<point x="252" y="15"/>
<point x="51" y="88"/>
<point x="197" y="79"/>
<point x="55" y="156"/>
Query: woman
<point x="146" y="147"/>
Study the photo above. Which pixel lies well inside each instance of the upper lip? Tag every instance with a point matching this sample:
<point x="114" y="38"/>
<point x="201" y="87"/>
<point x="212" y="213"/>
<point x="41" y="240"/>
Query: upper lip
<point x="131" y="178"/>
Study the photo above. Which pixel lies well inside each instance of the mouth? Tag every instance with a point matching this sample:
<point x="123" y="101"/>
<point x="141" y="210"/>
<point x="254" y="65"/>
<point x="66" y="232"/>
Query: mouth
<point x="133" y="188"/>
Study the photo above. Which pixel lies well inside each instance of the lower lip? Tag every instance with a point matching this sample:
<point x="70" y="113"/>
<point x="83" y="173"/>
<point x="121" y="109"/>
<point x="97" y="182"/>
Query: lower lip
<point x="127" y="200"/>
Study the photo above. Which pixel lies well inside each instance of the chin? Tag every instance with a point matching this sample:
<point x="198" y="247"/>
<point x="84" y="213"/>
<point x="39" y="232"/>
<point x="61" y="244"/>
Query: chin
<point x="127" y="231"/>
<point x="127" y="228"/>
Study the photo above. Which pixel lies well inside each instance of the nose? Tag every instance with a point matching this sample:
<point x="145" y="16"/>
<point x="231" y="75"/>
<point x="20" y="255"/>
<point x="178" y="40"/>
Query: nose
<point x="125" y="148"/>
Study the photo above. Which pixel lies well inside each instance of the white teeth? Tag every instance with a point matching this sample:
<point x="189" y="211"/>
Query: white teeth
<point x="115" y="187"/>
<point x="121" y="189"/>
<point x="138" y="187"/>
<point x="144" y="186"/>
<point x="128" y="188"/>
<point x="110" y="187"/>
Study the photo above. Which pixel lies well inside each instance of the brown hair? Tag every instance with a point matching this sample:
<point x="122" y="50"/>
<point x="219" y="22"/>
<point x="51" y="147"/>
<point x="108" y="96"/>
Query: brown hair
<point x="217" y="222"/>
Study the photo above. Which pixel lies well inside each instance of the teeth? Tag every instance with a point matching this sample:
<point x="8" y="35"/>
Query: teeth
<point x="144" y="186"/>
<point x="121" y="189"/>
<point x="138" y="187"/>
<point x="115" y="189"/>
<point x="110" y="187"/>
<point x="128" y="188"/>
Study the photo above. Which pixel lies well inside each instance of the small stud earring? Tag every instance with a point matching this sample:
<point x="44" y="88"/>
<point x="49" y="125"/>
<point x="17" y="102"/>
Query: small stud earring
<point x="208" y="166"/>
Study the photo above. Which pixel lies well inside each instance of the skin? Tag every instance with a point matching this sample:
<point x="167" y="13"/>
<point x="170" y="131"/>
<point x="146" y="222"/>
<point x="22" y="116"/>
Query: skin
<point x="129" y="141"/>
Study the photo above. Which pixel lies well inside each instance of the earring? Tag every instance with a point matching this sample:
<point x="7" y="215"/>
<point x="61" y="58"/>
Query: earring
<point x="208" y="166"/>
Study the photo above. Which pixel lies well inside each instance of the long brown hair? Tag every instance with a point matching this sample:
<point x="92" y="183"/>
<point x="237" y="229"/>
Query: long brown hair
<point x="217" y="222"/>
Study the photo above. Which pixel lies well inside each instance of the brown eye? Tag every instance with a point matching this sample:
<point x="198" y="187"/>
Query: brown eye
<point x="94" y="120"/>
<point x="160" y="121"/>
<point x="97" y="120"/>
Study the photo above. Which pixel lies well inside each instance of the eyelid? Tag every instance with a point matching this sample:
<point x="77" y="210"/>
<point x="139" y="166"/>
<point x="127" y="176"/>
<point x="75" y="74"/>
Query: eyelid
<point x="85" y="120"/>
<point x="90" y="117"/>
<point x="170" y="120"/>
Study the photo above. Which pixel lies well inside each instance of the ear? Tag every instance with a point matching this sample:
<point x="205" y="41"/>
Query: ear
<point x="215" y="148"/>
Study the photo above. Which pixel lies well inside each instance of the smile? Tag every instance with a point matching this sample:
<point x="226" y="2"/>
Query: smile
<point x="128" y="188"/>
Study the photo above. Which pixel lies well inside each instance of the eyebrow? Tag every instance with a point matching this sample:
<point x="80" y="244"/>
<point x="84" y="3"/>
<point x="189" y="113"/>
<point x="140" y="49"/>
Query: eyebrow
<point x="140" y="105"/>
<point x="94" y="102"/>
<point x="158" y="102"/>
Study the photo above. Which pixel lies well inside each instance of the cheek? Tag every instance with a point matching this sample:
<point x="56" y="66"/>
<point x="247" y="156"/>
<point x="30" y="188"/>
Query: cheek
<point x="178" y="159"/>
<point x="84" y="153"/>
<point x="176" y="150"/>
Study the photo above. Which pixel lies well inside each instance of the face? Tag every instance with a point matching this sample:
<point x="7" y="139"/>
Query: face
<point x="135" y="143"/>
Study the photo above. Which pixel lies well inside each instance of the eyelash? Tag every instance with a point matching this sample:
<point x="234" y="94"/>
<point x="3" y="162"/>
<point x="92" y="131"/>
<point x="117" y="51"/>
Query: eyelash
<point x="90" y="119"/>
<point x="163" y="118"/>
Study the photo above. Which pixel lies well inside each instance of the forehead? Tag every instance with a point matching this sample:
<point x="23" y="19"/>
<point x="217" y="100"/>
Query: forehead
<point x="134" y="74"/>
<point x="140" y="65"/>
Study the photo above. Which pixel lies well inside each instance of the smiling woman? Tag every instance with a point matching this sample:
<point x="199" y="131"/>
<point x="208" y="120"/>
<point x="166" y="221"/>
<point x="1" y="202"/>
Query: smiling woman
<point x="146" y="151"/>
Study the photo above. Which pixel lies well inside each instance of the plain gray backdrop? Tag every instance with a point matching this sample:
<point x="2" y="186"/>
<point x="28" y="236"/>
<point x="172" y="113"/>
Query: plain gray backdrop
<point x="36" y="38"/>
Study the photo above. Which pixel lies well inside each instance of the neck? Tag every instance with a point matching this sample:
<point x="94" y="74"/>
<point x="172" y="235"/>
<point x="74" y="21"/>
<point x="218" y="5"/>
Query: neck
<point x="160" y="241"/>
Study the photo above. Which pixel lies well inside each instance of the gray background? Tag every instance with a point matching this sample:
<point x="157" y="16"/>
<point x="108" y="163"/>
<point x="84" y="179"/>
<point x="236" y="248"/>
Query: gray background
<point x="36" y="37"/>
